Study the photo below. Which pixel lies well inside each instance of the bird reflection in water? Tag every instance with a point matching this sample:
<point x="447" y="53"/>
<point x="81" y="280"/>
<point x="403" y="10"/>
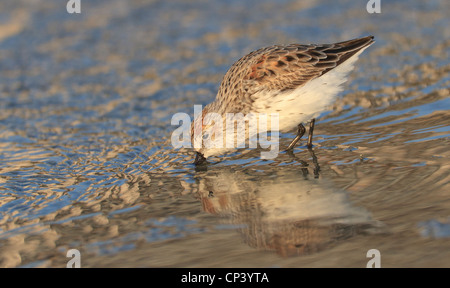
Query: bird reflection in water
<point x="283" y="208"/>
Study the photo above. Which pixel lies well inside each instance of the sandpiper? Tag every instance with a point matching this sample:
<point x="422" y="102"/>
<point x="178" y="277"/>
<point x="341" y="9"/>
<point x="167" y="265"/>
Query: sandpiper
<point x="297" y="81"/>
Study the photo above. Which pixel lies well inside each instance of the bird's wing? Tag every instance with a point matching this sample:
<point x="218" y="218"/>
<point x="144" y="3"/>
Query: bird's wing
<point x="288" y="67"/>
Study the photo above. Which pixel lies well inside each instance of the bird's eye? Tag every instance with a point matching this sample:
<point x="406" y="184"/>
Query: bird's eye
<point x="205" y="136"/>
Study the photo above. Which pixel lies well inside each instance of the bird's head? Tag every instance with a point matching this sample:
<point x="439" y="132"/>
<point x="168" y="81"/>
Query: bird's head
<point x="208" y="136"/>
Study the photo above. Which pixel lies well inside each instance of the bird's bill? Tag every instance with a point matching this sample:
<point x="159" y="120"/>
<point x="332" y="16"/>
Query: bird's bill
<point x="199" y="158"/>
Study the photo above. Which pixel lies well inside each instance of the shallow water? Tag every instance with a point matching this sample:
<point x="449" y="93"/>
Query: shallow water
<point x="87" y="164"/>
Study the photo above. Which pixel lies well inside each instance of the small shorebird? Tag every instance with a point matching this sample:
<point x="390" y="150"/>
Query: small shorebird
<point x="296" y="81"/>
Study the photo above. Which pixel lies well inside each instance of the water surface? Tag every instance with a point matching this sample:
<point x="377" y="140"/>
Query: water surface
<point x="86" y="161"/>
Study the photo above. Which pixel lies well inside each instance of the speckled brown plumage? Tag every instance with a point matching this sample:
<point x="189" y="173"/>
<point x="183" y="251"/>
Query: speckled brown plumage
<point x="296" y="82"/>
<point x="281" y="68"/>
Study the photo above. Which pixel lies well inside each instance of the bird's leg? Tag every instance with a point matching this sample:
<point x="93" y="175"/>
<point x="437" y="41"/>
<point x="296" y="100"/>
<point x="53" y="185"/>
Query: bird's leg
<point x="311" y="130"/>
<point x="300" y="131"/>
<point x="316" y="163"/>
<point x="293" y="157"/>
<point x="290" y="154"/>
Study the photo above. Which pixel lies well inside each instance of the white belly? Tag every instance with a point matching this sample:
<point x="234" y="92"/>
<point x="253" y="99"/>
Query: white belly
<point x="306" y="102"/>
